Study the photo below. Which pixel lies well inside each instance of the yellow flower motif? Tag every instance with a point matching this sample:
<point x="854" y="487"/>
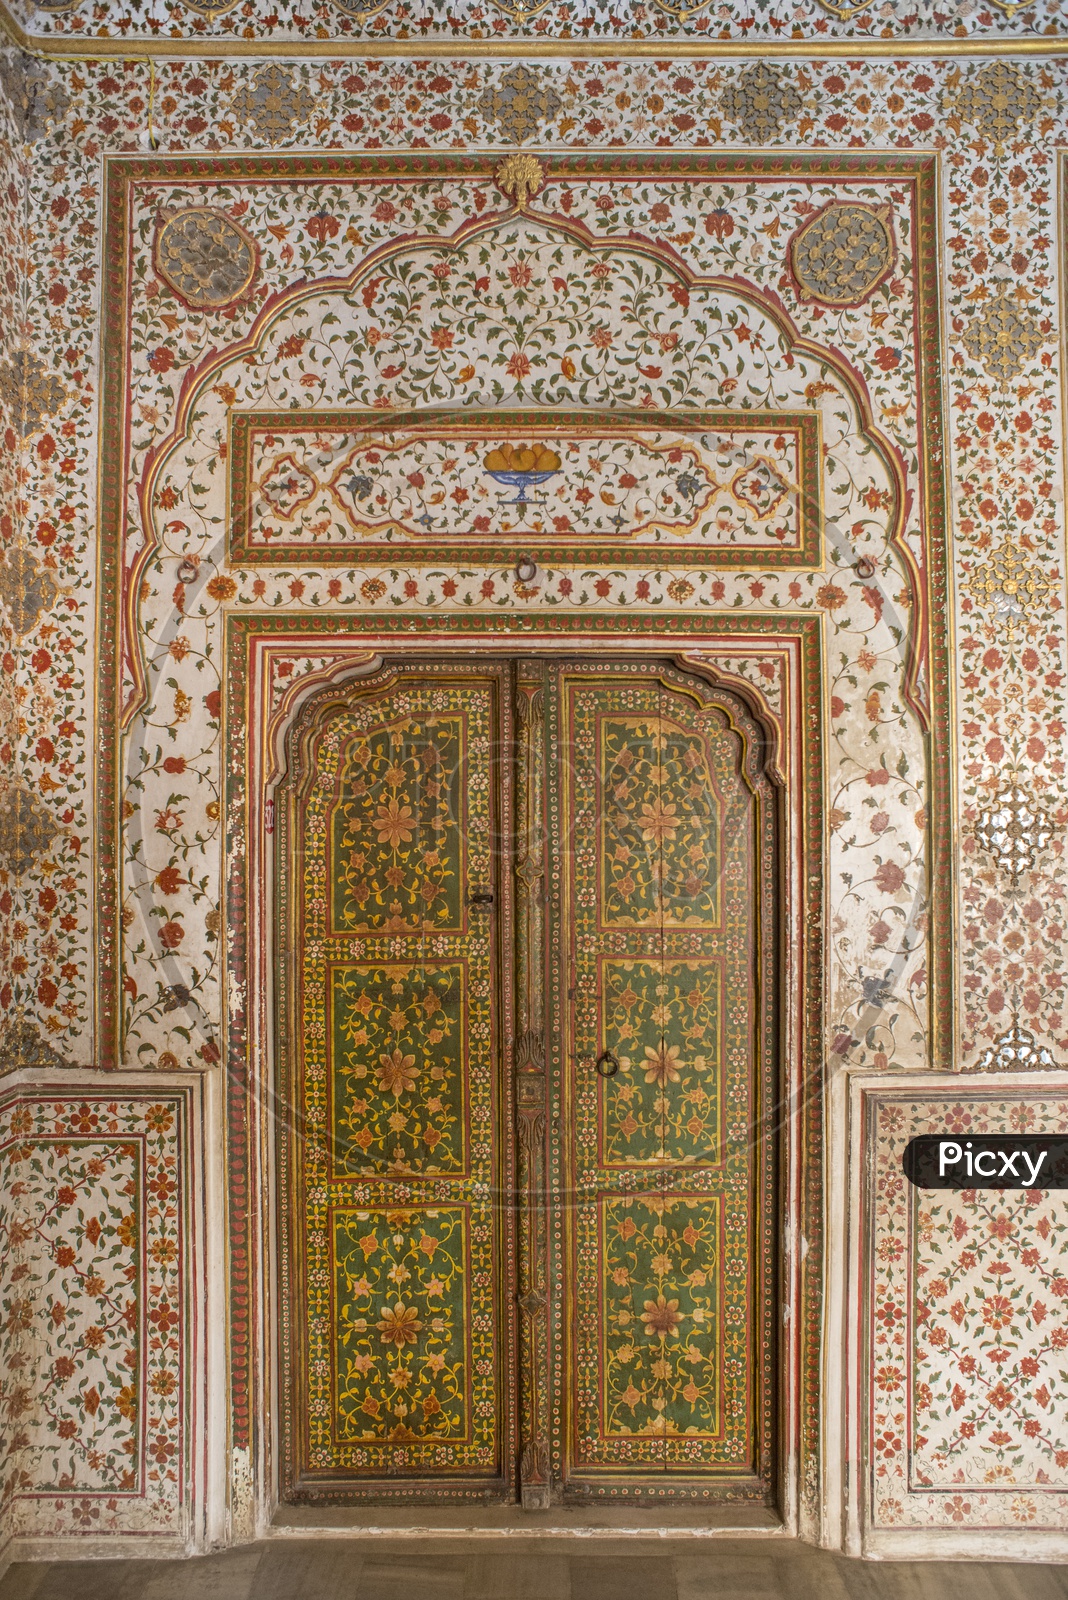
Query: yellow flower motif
<point x="661" y="1317"/>
<point x="396" y="1073"/>
<point x="658" y="822"/>
<point x="395" y="823"/>
<point x="662" y="1065"/>
<point x="400" y="1324"/>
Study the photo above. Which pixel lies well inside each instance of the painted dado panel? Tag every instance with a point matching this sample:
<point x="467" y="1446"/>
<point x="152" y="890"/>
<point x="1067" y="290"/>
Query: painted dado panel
<point x="965" y="1326"/>
<point x="98" y="1239"/>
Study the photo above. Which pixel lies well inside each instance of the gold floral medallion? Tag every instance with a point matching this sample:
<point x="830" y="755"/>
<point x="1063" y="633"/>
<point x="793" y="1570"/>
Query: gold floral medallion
<point x="205" y="257"/>
<point x="841" y="255"/>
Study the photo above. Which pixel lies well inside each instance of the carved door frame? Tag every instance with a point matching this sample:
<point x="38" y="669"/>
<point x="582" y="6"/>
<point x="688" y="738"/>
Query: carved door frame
<point x="272" y="663"/>
<point x="533" y="927"/>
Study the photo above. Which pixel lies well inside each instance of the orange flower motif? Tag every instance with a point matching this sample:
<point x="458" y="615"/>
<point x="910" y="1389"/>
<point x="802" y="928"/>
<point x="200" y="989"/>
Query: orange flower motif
<point x="661" y="1317"/>
<point x="399" y="1324"/>
<point x="395" y="823"/>
<point x="658" y="822"/>
<point x="997" y="1311"/>
<point x="396" y="1073"/>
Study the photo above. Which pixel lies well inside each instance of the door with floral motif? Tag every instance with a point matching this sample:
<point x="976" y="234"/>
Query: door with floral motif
<point x="396" y="1228"/>
<point x="527" y="946"/>
<point x="664" y="950"/>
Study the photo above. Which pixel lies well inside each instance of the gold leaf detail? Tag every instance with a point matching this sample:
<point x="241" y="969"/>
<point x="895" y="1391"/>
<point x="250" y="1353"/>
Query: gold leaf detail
<point x="520" y="178"/>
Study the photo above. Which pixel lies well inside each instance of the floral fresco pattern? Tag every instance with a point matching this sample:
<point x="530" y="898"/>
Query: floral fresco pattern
<point x="92" y="1299"/>
<point x="279" y="101"/>
<point x="967" y="1329"/>
<point x="711" y="342"/>
<point x="436" y="484"/>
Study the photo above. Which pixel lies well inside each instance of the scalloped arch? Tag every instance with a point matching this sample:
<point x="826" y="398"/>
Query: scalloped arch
<point x="633" y="245"/>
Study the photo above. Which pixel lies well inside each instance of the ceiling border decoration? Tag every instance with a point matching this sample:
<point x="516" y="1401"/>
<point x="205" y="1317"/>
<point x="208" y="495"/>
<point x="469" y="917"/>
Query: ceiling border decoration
<point x="81" y="47"/>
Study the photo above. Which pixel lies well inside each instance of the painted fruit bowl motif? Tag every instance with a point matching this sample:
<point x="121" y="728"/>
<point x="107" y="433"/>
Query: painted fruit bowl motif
<point x="521" y="467"/>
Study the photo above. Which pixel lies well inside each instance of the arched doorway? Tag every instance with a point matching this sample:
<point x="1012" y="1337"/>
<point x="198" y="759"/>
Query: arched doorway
<point x="527" y="1045"/>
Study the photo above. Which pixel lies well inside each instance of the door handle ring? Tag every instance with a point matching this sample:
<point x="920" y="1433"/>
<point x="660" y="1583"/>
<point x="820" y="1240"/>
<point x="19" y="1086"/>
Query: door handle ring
<point x="606" y="1064"/>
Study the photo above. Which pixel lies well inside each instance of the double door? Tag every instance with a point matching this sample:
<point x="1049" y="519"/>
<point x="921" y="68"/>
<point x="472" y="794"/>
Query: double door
<point x="527" y="1054"/>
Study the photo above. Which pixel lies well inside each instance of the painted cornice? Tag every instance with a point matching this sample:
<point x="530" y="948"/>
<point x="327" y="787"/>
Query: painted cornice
<point x="81" y="47"/>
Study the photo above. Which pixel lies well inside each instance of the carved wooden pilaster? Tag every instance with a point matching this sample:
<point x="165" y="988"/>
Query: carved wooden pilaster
<point x="531" y="1084"/>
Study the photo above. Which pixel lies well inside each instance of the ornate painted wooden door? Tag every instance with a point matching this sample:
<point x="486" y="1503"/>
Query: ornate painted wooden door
<point x="663" y="949"/>
<point x="527" y="1195"/>
<point x="396" y="1246"/>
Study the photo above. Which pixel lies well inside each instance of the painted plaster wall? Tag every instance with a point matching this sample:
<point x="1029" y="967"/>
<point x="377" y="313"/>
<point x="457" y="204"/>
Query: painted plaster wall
<point x="13" y="200"/>
<point x="998" y="191"/>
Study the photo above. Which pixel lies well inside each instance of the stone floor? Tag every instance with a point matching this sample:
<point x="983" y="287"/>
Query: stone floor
<point x="522" y="1569"/>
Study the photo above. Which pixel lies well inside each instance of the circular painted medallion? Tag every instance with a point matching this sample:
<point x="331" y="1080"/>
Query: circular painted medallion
<point x="205" y="257"/>
<point x="842" y="254"/>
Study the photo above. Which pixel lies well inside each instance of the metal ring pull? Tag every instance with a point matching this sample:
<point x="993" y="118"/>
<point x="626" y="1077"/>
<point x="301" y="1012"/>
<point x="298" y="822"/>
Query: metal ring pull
<point x="606" y="1064"/>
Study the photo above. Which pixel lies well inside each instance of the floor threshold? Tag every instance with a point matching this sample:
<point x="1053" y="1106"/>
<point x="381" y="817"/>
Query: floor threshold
<point x="560" y="1522"/>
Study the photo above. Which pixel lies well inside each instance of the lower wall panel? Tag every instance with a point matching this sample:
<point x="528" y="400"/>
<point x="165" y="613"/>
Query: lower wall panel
<point x="965" y="1312"/>
<point x="95" y="1312"/>
<point x="958" y="1312"/>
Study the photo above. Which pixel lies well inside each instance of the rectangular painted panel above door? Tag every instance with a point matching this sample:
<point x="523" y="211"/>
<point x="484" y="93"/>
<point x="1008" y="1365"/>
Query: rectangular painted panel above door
<point x="334" y="487"/>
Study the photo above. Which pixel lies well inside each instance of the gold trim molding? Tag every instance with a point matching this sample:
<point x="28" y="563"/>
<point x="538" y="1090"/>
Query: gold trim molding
<point x="78" y="48"/>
